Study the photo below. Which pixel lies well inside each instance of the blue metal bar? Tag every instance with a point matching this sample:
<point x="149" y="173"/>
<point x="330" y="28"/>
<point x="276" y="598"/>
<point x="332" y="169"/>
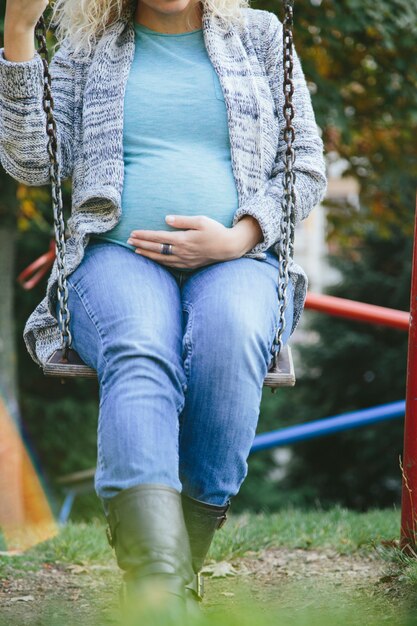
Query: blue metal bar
<point x="66" y="507"/>
<point x="328" y="426"/>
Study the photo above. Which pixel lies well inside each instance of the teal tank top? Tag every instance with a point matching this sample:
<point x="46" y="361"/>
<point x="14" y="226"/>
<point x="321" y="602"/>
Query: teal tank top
<point x="177" y="157"/>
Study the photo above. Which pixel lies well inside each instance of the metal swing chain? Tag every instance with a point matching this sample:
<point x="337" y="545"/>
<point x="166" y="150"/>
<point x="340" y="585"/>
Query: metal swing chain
<point x="59" y="224"/>
<point x="286" y="243"/>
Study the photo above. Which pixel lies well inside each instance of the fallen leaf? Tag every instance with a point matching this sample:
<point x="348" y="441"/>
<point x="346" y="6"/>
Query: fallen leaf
<point x="220" y="570"/>
<point x="78" y="569"/>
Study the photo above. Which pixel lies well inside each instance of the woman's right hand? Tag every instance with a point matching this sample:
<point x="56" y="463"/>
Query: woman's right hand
<point x="24" y="14"/>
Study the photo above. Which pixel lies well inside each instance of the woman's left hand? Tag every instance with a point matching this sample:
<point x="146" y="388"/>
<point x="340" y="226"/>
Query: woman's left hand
<point x="203" y="241"/>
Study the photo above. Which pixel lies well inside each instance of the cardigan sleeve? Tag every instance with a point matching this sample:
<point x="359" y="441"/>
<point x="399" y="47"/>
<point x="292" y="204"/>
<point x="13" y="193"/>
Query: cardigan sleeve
<point x="309" y="166"/>
<point x="23" y="137"/>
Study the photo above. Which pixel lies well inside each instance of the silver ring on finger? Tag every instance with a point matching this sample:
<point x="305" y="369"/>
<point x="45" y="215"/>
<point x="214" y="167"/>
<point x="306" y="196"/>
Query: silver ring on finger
<point x="166" y="248"/>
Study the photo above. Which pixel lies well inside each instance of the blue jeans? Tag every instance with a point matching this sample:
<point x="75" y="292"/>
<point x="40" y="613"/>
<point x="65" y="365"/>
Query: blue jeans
<point x="180" y="358"/>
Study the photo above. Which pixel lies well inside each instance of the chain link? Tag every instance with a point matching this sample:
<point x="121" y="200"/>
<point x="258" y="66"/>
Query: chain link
<point x="286" y="242"/>
<point x="55" y="176"/>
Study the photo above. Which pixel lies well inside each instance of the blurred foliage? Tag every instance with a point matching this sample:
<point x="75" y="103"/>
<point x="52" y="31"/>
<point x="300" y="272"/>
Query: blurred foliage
<point x="358" y="58"/>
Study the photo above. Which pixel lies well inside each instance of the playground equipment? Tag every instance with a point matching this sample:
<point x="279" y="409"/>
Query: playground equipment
<point x="409" y="462"/>
<point x="328" y="426"/>
<point x="65" y="361"/>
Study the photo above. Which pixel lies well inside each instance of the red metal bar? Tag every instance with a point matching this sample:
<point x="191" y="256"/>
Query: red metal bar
<point x="29" y="277"/>
<point x="341" y="307"/>
<point x="409" y="463"/>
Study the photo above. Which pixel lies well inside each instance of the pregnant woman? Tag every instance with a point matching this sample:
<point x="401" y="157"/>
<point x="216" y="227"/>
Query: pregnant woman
<point x="170" y="124"/>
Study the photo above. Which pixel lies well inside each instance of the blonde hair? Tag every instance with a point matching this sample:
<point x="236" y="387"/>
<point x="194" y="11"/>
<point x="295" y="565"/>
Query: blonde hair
<point x="82" y="22"/>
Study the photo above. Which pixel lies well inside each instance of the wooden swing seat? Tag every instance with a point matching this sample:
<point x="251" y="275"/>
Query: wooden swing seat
<point x="280" y="376"/>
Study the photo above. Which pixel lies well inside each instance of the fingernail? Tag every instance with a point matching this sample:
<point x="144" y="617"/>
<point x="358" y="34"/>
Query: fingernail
<point x="130" y="241"/>
<point x="169" y="219"/>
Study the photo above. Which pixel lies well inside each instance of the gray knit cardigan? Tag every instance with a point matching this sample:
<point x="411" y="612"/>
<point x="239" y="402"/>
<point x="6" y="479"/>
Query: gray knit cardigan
<point x="88" y="102"/>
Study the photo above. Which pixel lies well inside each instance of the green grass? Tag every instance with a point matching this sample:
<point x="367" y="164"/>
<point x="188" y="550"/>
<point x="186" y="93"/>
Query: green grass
<point x="338" y="528"/>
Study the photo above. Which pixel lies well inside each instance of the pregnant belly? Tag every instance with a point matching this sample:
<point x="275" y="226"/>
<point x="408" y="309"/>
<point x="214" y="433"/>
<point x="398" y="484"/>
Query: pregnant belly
<point x="154" y="189"/>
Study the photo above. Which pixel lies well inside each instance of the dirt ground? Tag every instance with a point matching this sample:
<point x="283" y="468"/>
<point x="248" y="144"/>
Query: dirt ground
<point x="280" y="578"/>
